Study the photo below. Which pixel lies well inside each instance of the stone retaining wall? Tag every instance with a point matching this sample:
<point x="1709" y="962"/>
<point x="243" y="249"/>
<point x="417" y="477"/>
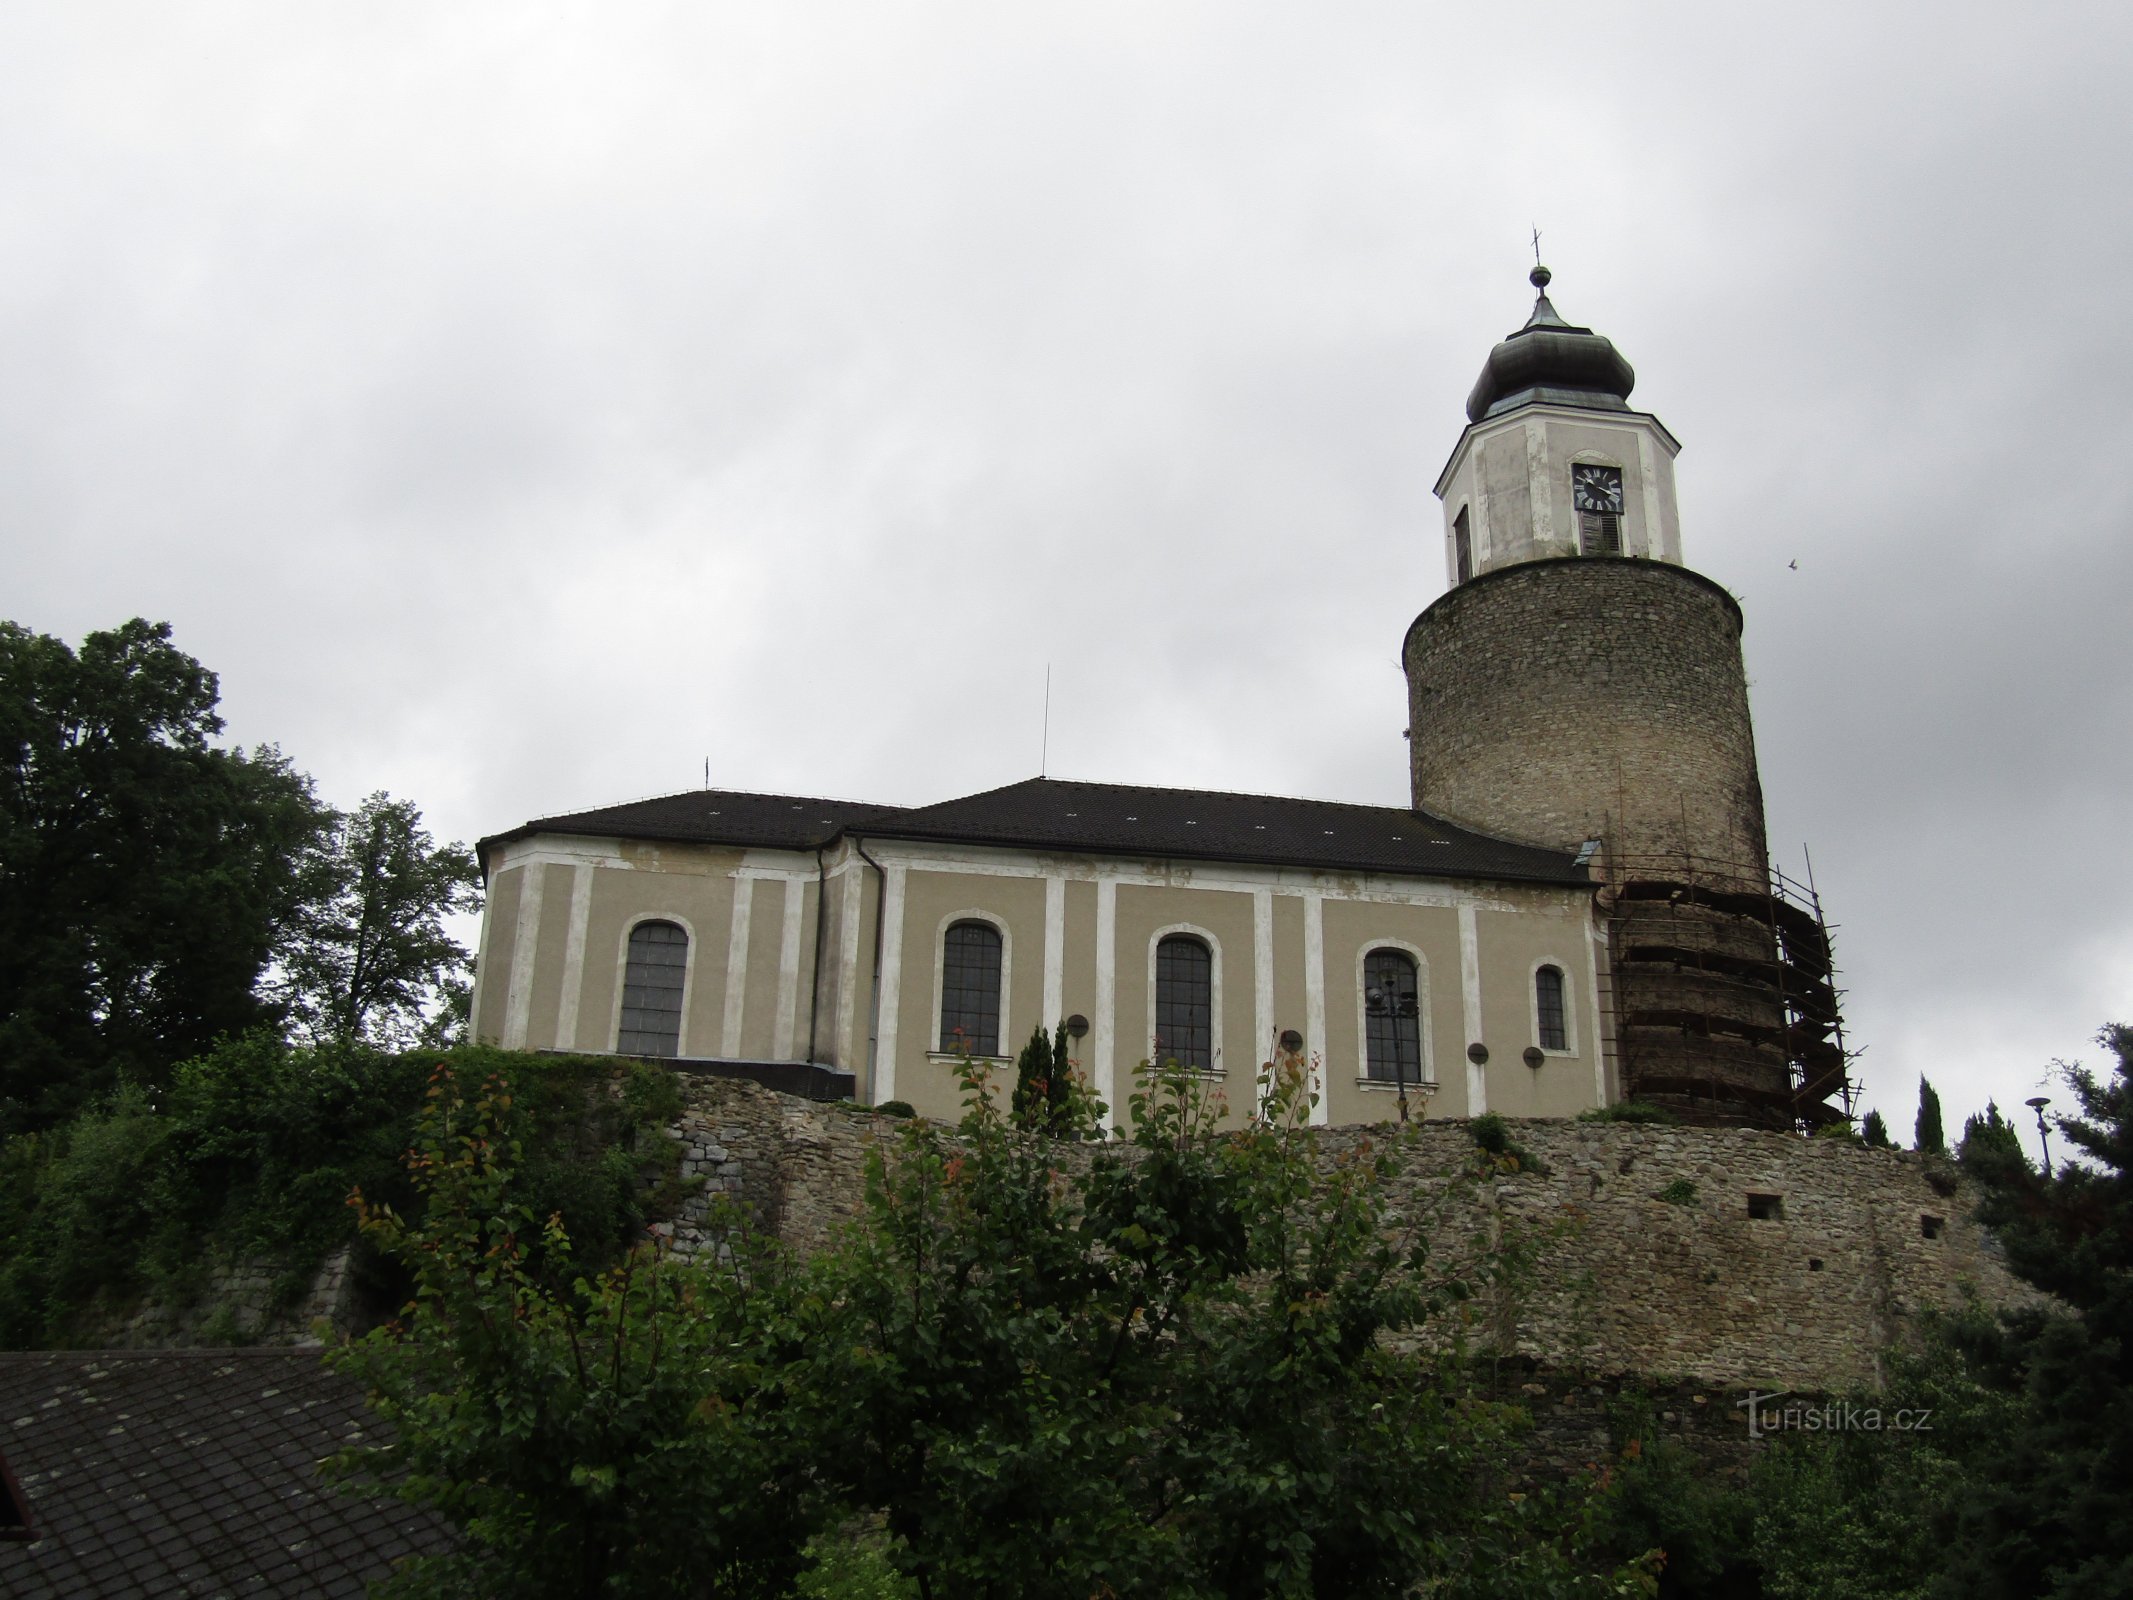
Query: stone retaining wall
<point x="1621" y="1282"/>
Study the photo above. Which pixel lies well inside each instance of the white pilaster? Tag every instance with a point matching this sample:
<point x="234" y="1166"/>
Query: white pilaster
<point x="1315" y="998"/>
<point x="1262" y="987"/>
<point x="1477" y="1078"/>
<point x="1106" y="1072"/>
<point x="789" y="971"/>
<point x="892" y="983"/>
<point x="566" y="1008"/>
<point x="1054" y="953"/>
<point x="525" y="946"/>
<point x="729" y="1040"/>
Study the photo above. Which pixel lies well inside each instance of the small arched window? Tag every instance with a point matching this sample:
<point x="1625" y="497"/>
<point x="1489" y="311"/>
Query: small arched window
<point x="970" y="988"/>
<point x="1392" y="1013"/>
<point x="1463" y="545"/>
<point x="1185" y="1002"/>
<point x="1548" y="1010"/>
<point x="652" y="984"/>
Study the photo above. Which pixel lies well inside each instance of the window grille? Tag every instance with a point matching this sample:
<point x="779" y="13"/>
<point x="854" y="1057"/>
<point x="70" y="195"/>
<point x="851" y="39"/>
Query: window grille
<point x="652" y="982"/>
<point x="970" y="989"/>
<point x="1392" y="1015"/>
<point x="1463" y="545"/>
<point x="1185" y="1002"/>
<point x="1548" y="1007"/>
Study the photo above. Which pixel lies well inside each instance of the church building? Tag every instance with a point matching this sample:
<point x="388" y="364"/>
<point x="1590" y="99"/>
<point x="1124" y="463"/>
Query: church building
<point x="1577" y="908"/>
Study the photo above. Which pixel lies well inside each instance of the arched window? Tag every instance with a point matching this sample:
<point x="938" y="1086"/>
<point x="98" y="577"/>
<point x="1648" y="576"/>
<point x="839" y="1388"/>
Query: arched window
<point x="1463" y="545"/>
<point x="651" y="990"/>
<point x="970" y="988"/>
<point x="1548" y="1011"/>
<point x="1185" y="1002"/>
<point x="1392" y="1013"/>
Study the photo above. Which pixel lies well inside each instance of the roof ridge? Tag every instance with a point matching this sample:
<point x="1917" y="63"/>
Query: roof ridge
<point x="1222" y="794"/>
<point x="746" y="794"/>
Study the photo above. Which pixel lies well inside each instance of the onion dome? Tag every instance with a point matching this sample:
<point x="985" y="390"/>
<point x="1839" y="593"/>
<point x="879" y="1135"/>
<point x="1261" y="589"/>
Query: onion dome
<point x="1550" y="360"/>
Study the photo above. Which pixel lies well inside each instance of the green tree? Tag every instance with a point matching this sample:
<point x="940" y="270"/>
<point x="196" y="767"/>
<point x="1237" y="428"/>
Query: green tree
<point x="2050" y="1511"/>
<point x="1984" y="1131"/>
<point x="366" y="958"/>
<point x="1874" y="1130"/>
<point x="609" y="1434"/>
<point x="145" y="875"/>
<point x="1927" y="1135"/>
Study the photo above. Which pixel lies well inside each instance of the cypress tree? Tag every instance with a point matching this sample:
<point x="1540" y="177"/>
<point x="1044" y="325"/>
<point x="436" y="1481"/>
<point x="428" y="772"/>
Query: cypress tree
<point x="1875" y="1131"/>
<point x="1928" y="1136"/>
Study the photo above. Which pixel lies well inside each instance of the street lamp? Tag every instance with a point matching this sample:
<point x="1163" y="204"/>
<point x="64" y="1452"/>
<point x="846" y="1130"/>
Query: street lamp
<point x="2037" y="1103"/>
<point x="1387" y="999"/>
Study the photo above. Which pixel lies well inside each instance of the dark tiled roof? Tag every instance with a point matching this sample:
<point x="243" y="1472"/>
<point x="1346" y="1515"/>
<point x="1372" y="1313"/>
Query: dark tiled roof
<point x="1198" y="824"/>
<point x="1096" y="819"/>
<point x="712" y="816"/>
<point x="192" y="1473"/>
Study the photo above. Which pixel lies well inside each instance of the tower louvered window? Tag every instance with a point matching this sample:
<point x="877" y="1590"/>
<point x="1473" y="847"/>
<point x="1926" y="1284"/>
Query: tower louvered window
<point x="1553" y="1020"/>
<point x="1392" y="1015"/>
<point x="652" y="983"/>
<point x="970" y="989"/>
<point x="1185" y="1002"/>
<point x="1463" y="545"/>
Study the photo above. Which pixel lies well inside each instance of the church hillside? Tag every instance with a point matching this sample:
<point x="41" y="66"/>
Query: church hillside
<point x="1577" y="910"/>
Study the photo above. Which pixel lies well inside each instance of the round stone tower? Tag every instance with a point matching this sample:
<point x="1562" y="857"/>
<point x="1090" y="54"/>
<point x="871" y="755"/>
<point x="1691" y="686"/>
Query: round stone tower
<point x="1579" y="687"/>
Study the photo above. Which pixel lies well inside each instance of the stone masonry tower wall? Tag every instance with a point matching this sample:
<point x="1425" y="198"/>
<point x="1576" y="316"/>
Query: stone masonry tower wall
<point x="1588" y="697"/>
<point x="1603" y="697"/>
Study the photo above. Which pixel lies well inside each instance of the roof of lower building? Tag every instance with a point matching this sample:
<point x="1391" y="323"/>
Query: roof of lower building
<point x="1095" y="819"/>
<point x="177" y="1472"/>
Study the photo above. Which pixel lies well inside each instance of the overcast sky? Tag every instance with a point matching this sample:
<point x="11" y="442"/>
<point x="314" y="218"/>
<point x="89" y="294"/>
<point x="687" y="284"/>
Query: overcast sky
<point x="518" y="405"/>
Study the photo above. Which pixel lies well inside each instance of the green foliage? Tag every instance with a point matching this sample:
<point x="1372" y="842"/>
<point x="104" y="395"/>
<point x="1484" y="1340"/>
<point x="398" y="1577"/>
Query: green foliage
<point x="1634" y="1111"/>
<point x="896" y="1108"/>
<point x="853" y="1562"/>
<point x="2050" y="1509"/>
<point x="144" y="875"/>
<point x="1659" y="1496"/>
<point x="1681" y="1192"/>
<point x="1926" y="1134"/>
<point x="254" y="1148"/>
<point x="1163" y="1371"/>
<point x="1048" y="1092"/>
<point x="365" y="957"/>
<point x="1874" y="1132"/>
<point x="1501" y="1153"/>
<point x="1990" y="1139"/>
<point x="590" y="1434"/>
<point x="76" y="1205"/>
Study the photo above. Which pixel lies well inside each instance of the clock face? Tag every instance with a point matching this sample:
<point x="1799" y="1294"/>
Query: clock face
<point x="1596" y="489"/>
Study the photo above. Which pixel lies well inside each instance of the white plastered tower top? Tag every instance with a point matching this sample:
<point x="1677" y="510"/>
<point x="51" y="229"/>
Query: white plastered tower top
<point x="1553" y="461"/>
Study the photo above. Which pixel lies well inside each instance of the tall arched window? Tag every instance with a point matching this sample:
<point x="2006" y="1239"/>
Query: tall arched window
<point x="970" y="988"/>
<point x="1392" y="1012"/>
<point x="1548" y="1011"/>
<point x="651" y="990"/>
<point x="1185" y="1002"/>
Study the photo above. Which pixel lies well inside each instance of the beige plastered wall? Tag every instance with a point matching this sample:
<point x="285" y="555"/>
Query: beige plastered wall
<point x="552" y="965"/>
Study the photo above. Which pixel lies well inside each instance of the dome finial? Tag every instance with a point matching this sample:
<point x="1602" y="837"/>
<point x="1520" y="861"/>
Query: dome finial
<point x="1539" y="277"/>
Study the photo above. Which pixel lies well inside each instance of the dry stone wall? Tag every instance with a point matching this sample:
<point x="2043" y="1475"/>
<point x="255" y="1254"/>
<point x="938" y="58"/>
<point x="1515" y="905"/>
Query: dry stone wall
<point x="1722" y="1258"/>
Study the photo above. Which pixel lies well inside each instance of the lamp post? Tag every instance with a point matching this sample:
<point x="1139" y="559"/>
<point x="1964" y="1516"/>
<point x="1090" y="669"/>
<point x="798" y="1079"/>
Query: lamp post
<point x="1387" y="1000"/>
<point x="2037" y="1103"/>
